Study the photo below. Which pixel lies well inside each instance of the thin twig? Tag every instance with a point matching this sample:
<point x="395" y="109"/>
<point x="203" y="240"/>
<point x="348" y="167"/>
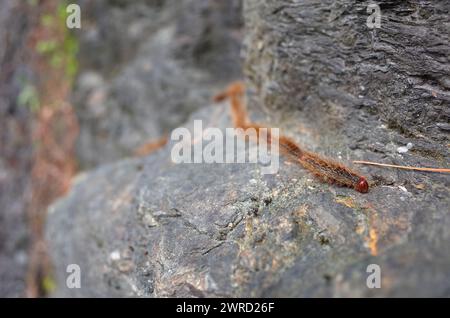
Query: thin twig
<point x="403" y="167"/>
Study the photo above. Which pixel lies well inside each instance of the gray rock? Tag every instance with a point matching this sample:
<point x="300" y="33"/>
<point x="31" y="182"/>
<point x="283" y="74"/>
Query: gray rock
<point x="149" y="227"/>
<point x="153" y="228"/>
<point x="320" y="57"/>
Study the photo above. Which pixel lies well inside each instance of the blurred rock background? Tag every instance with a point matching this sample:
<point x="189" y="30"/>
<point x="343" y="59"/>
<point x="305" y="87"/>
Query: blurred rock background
<point x="16" y="22"/>
<point x="160" y="61"/>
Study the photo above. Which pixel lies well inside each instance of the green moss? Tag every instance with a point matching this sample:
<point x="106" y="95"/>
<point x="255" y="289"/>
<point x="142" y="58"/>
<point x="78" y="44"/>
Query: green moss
<point x="60" y="54"/>
<point x="47" y="47"/>
<point x="70" y="47"/>
<point x="29" y="97"/>
<point x="47" y="20"/>
<point x="48" y="285"/>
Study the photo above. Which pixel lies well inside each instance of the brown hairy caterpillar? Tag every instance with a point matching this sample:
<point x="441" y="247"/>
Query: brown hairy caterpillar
<point x="325" y="169"/>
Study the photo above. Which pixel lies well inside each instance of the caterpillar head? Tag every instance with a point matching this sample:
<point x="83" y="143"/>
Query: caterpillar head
<point x="362" y="185"/>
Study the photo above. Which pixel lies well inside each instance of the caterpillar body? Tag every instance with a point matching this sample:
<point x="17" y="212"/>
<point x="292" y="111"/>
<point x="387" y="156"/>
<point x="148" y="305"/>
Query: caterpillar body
<point x="325" y="169"/>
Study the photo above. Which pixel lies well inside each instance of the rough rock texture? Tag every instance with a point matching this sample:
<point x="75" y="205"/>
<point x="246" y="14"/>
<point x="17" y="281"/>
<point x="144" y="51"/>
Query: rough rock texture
<point x="159" y="62"/>
<point x="153" y="228"/>
<point x="321" y="57"/>
<point x="15" y="147"/>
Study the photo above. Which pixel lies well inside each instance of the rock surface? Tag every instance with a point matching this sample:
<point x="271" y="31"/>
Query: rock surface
<point x="149" y="227"/>
<point x="153" y="228"/>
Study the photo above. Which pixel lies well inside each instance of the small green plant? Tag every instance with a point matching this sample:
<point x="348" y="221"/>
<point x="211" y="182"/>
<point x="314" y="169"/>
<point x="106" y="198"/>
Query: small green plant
<point x="29" y="97"/>
<point x="48" y="285"/>
<point x="47" y="47"/>
<point x="61" y="52"/>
